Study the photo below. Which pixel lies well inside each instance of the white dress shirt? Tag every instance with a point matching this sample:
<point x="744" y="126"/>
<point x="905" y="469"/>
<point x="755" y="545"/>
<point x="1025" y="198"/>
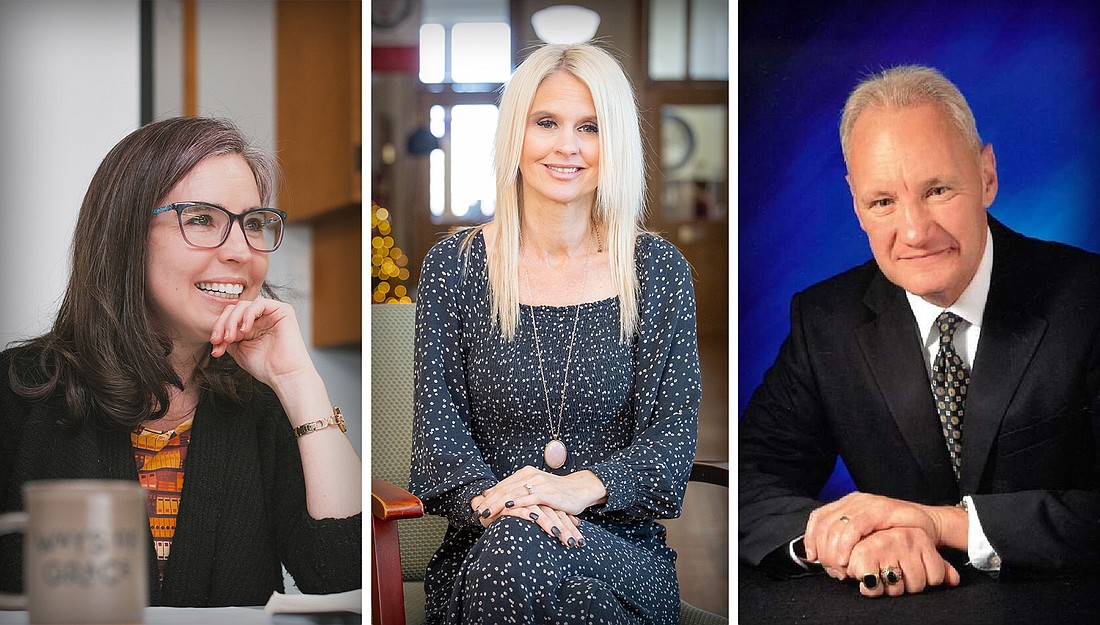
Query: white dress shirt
<point x="970" y="307"/>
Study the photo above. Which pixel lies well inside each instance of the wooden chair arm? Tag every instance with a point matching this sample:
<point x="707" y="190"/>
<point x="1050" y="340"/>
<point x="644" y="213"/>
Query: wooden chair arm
<point x="390" y="503"/>
<point x="717" y="473"/>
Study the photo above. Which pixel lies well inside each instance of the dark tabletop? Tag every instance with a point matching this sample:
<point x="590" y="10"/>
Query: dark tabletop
<point x="978" y="599"/>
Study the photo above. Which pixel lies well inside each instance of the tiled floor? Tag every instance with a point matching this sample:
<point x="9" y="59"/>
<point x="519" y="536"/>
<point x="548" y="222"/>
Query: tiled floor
<point x="701" y="536"/>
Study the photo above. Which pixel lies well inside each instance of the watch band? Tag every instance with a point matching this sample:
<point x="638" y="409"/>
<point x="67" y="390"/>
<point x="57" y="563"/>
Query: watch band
<point x="337" y="419"/>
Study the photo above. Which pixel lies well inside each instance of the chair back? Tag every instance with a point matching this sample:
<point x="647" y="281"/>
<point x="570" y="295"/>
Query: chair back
<point x="392" y="334"/>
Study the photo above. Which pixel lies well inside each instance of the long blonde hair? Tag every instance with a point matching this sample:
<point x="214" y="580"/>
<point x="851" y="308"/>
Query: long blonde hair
<point x="620" y="187"/>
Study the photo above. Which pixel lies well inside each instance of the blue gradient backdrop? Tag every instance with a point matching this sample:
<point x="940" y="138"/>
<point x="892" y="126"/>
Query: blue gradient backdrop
<point x="1028" y="70"/>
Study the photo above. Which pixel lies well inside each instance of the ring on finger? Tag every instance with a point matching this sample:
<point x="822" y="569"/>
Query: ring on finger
<point x="891" y="575"/>
<point x="530" y="489"/>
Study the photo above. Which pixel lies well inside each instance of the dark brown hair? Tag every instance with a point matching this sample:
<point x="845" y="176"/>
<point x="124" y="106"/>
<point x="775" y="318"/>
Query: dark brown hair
<point x="106" y="354"/>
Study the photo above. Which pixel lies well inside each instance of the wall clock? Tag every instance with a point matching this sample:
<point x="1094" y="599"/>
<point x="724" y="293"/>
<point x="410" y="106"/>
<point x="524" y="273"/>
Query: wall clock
<point x="386" y="14"/>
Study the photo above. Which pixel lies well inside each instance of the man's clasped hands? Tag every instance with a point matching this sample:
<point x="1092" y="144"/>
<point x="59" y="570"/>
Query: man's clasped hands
<point x="889" y="545"/>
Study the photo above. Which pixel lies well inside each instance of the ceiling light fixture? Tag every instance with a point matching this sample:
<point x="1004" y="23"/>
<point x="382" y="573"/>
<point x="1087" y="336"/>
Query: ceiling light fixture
<point x="565" y="23"/>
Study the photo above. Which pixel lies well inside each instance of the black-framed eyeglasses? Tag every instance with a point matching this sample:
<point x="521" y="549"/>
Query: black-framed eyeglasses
<point x="207" y="226"/>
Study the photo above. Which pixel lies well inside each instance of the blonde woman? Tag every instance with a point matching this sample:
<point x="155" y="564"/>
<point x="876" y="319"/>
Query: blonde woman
<point x="557" y="373"/>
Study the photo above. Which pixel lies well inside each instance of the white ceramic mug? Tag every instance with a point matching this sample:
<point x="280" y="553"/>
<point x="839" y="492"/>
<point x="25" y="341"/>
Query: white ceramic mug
<point x="85" y="551"/>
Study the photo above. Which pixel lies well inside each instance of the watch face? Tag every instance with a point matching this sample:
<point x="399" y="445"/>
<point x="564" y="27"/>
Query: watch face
<point x="389" y="13"/>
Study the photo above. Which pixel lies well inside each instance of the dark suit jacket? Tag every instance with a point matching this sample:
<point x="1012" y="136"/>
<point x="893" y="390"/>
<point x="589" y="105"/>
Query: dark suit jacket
<point x="850" y="381"/>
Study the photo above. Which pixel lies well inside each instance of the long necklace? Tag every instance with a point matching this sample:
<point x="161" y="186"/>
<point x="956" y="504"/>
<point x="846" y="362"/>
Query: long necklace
<point x="555" y="451"/>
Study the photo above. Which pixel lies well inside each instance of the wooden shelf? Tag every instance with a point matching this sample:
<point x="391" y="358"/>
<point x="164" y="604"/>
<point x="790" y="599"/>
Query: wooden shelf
<point x="318" y="102"/>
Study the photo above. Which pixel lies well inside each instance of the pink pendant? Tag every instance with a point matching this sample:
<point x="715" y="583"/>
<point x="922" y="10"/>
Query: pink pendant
<point x="555" y="453"/>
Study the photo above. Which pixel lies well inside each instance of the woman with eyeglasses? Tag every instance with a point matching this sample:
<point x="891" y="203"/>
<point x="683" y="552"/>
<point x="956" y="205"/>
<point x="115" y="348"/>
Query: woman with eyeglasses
<point x="171" y="363"/>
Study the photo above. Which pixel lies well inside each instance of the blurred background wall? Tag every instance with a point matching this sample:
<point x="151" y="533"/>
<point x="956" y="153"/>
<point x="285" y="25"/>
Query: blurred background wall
<point x="67" y="98"/>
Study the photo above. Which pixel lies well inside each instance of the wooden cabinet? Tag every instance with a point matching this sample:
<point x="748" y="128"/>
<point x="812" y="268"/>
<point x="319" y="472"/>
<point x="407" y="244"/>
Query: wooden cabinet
<point x="338" y="277"/>
<point x="318" y="61"/>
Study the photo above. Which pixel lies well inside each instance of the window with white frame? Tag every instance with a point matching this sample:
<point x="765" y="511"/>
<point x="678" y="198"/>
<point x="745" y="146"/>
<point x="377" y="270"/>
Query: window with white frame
<point x="465" y="56"/>
<point x="689" y="39"/>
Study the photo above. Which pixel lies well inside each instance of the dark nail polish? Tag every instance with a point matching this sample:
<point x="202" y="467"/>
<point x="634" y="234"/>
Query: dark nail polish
<point x="509" y="504"/>
<point x="485" y="514"/>
<point x="581" y="542"/>
<point x="534" y="516"/>
<point x="572" y="541"/>
<point x="555" y="531"/>
<point x="870" y="580"/>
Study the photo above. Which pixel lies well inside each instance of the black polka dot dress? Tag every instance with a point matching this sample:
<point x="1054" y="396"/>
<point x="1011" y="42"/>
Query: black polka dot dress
<point x="630" y="417"/>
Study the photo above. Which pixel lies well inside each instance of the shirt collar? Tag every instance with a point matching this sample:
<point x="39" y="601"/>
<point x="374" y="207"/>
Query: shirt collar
<point x="970" y="305"/>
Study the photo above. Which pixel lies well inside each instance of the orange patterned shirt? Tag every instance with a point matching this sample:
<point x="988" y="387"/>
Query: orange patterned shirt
<point x="161" y="458"/>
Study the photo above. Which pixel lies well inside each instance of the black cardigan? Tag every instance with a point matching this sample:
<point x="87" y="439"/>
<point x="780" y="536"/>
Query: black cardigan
<point x="242" y="510"/>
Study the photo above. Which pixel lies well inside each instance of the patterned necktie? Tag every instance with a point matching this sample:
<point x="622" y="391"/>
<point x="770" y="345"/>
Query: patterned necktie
<point x="950" y="382"/>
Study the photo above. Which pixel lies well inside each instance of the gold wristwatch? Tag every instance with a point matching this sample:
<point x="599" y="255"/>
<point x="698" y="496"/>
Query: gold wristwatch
<point x="336" y="419"/>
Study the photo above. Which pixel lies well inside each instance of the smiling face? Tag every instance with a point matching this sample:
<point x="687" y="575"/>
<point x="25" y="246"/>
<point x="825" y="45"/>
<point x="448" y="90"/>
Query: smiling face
<point x="920" y="193"/>
<point x="187" y="287"/>
<point x="561" y="144"/>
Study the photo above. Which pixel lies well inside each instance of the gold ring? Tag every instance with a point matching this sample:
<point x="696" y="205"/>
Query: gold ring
<point x="530" y="489"/>
<point x="890" y="574"/>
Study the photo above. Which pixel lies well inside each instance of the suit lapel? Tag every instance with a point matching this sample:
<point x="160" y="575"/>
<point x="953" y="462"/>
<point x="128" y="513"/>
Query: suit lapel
<point x="1010" y="336"/>
<point x="889" y="343"/>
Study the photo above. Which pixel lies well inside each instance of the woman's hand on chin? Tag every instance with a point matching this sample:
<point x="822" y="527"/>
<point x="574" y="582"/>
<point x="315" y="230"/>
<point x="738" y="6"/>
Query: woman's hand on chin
<point x="264" y="338"/>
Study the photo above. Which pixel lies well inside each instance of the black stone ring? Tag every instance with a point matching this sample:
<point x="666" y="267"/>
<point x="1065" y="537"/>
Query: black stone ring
<point x="870" y="581"/>
<point x="891" y="575"/>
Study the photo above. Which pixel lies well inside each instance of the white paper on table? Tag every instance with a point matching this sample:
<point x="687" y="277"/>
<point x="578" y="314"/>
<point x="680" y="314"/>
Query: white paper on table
<point x="350" y="601"/>
<point x="161" y="615"/>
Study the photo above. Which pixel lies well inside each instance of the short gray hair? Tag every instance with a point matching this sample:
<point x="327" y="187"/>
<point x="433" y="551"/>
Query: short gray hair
<point x="908" y="85"/>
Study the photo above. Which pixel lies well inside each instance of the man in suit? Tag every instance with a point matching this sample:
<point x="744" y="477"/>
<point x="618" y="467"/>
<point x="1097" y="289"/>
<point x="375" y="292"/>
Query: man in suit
<point x="957" y="374"/>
